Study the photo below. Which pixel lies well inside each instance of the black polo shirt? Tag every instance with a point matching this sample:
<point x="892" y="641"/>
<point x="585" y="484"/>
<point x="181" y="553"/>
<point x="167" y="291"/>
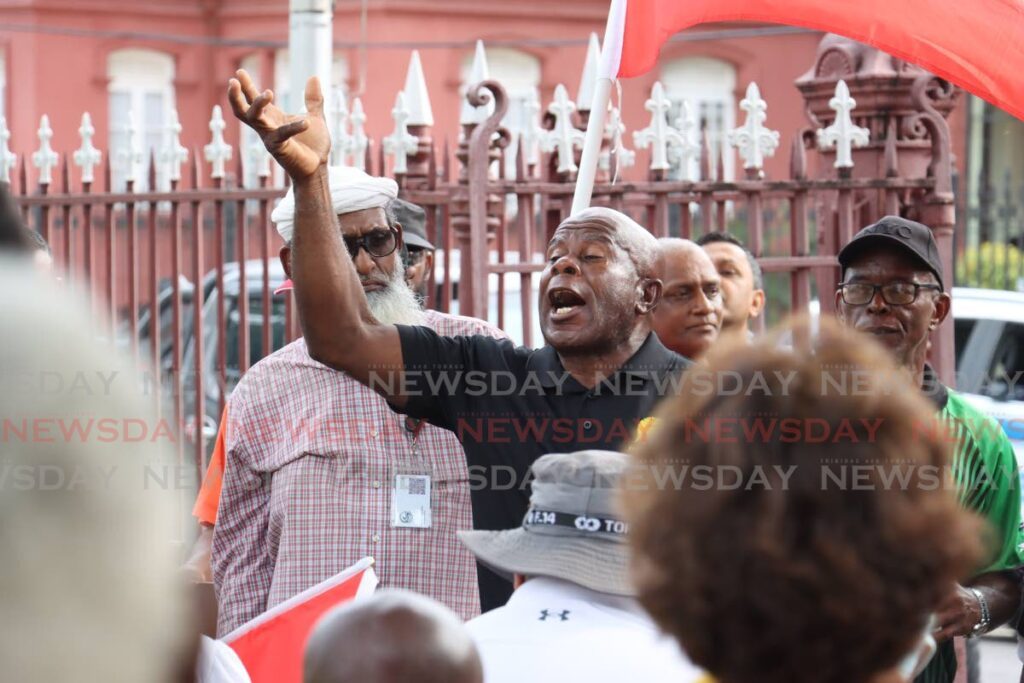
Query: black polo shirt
<point x="509" y="405"/>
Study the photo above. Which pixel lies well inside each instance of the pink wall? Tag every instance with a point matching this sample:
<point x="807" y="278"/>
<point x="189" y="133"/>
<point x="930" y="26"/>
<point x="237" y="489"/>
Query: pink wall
<point x="64" y="75"/>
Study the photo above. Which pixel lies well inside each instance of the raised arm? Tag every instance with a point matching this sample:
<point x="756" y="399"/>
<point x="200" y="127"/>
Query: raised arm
<point x="336" y="323"/>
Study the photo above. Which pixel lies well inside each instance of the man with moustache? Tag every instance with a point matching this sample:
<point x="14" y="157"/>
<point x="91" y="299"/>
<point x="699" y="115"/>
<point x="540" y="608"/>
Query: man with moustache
<point x="688" y="319"/>
<point x="893" y="289"/>
<point x="596" y="293"/>
<point x="316" y="462"/>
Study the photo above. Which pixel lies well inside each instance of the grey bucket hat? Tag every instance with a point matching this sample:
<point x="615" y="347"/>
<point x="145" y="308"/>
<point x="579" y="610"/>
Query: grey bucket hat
<point x="571" y="531"/>
<point x="413" y="220"/>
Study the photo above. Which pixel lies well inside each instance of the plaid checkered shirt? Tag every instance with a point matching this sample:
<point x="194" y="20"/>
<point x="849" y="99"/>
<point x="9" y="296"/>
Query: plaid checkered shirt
<point x="312" y="456"/>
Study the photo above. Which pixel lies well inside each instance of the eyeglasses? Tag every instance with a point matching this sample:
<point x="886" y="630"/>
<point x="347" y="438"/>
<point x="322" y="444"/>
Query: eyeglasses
<point x="893" y="293"/>
<point x="378" y="243"/>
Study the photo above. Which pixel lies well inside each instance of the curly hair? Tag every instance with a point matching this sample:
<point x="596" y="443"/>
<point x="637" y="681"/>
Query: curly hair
<point x="815" y="576"/>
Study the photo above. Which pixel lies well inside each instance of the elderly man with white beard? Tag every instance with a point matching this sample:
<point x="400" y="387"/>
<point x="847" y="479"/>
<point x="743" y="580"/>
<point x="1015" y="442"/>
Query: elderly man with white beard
<point x="320" y="472"/>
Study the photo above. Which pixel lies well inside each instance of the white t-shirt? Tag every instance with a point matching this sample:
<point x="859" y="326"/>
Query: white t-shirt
<point x="218" y="663"/>
<point x="553" y="630"/>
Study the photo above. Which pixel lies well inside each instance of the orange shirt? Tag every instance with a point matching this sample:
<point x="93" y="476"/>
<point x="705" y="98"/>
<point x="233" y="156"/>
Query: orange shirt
<point x="205" y="509"/>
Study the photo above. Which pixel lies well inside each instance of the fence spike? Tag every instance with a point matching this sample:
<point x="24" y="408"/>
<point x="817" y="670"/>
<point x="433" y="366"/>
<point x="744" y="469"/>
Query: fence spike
<point x="532" y="131"/>
<point x="478" y="73"/>
<point x="615" y="130"/>
<point x="45" y="159"/>
<point x="65" y="174"/>
<point x="358" y="143"/>
<point x="8" y="160"/>
<point x="87" y="157"/>
<point x="588" y="81"/>
<point x="843" y="134"/>
<point x="218" y="152"/>
<point x="174" y="154"/>
<point x="339" y="136"/>
<point x="131" y="155"/>
<point x="446" y="165"/>
<point x="753" y="140"/>
<point x="194" y="173"/>
<point x="564" y="137"/>
<point x="400" y="144"/>
<point x="417" y="98"/>
<point x="108" y="174"/>
<point x="151" y="171"/>
<point x="23" y="175"/>
<point x="661" y="137"/>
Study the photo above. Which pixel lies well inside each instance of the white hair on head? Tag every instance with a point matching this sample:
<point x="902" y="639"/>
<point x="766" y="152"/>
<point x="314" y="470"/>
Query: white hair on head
<point x="396" y="303"/>
<point x="88" y="571"/>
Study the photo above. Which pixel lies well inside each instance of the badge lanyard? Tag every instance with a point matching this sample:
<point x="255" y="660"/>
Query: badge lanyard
<point x="410" y="495"/>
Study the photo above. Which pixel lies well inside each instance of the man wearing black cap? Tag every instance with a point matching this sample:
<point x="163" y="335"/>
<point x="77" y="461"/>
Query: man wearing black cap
<point x="893" y="289"/>
<point x="417" y="251"/>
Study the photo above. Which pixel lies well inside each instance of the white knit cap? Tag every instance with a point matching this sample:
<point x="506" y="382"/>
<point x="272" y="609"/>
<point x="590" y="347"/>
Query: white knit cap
<point x="351" y="190"/>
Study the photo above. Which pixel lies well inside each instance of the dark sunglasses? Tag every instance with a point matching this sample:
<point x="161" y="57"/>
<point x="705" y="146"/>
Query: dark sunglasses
<point x="893" y="293"/>
<point x="378" y="243"/>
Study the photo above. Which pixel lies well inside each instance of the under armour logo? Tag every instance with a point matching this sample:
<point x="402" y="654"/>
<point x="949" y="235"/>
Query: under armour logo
<point x="563" y="615"/>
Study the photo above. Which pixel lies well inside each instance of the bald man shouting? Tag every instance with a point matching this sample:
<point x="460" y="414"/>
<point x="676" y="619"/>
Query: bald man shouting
<point x="600" y="372"/>
<point x="689" y="318"/>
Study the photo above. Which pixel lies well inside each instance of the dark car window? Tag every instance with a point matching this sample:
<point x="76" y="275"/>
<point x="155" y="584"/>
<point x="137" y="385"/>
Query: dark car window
<point x="1007" y="365"/>
<point x="962" y="328"/>
<point x="233" y="332"/>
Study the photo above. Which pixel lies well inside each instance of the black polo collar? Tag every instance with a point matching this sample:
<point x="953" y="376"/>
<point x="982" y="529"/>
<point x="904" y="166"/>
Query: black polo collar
<point x="650" y="359"/>
<point x="933" y="389"/>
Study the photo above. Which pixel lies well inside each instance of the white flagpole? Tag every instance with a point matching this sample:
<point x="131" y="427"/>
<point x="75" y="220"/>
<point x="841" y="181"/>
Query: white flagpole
<point x="611" y="53"/>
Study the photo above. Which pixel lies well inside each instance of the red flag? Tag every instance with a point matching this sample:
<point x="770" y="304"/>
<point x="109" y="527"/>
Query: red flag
<point x="271" y="645"/>
<point x="976" y="44"/>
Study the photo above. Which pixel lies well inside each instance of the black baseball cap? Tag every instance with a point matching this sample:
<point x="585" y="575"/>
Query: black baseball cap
<point x="413" y="220"/>
<point x="892" y="231"/>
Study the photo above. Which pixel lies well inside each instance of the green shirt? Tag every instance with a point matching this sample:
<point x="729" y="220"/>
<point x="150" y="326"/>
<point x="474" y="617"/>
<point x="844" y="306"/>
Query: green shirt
<point x="988" y="482"/>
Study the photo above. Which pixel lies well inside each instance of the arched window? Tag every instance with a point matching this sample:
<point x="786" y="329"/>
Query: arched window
<point x="519" y="73"/>
<point x="142" y="83"/>
<point x="709" y="85"/>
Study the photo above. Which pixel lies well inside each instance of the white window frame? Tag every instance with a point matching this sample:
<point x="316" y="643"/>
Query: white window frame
<point x="708" y="84"/>
<point x="139" y="73"/>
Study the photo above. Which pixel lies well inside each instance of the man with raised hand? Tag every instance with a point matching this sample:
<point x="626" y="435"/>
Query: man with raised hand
<point x="601" y="371"/>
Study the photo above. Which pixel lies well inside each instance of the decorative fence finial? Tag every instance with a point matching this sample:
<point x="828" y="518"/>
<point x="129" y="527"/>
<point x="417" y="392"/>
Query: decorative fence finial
<point x="131" y="155"/>
<point x="615" y="129"/>
<point x="417" y="99"/>
<point x="339" y="136"/>
<point x="478" y="72"/>
<point x="218" y="152"/>
<point x="532" y="132"/>
<point x="688" y="149"/>
<point x="843" y="134"/>
<point x="358" y="142"/>
<point x="45" y="159"/>
<point x="754" y="141"/>
<point x="8" y="159"/>
<point x="659" y="135"/>
<point x="588" y="81"/>
<point x="400" y="144"/>
<point x="564" y="137"/>
<point x="174" y="154"/>
<point x="87" y="156"/>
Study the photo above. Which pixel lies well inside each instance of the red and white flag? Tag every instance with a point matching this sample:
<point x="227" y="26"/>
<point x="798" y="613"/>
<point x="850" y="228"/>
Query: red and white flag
<point x="271" y="645"/>
<point x="976" y="44"/>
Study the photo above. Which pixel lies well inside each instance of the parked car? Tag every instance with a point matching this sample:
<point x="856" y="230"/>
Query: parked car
<point x="989" y="332"/>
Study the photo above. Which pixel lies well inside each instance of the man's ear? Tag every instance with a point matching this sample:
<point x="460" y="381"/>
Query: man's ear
<point x="401" y="235"/>
<point x="757" y="303"/>
<point x="649" y="292"/>
<point x="943" y="303"/>
<point x="286" y="260"/>
<point x="839" y="306"/>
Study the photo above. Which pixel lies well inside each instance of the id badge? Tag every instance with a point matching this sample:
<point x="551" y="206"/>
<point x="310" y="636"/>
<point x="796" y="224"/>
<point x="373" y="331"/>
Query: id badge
<point x="410" y="501"/>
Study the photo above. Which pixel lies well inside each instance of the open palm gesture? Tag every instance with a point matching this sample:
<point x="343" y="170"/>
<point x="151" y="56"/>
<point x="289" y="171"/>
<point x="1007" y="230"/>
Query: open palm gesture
<point x="299" y="142"/>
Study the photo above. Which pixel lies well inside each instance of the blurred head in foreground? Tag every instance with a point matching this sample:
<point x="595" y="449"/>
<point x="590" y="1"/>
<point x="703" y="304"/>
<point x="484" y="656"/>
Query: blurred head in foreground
<point x="391" y="637"/>
<point x="88" y="569"/>
<point x="827" y="535"/>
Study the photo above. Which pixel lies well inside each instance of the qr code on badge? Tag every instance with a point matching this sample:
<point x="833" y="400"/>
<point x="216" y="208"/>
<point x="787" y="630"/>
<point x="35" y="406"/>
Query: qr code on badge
<point x="417" y="486"/>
